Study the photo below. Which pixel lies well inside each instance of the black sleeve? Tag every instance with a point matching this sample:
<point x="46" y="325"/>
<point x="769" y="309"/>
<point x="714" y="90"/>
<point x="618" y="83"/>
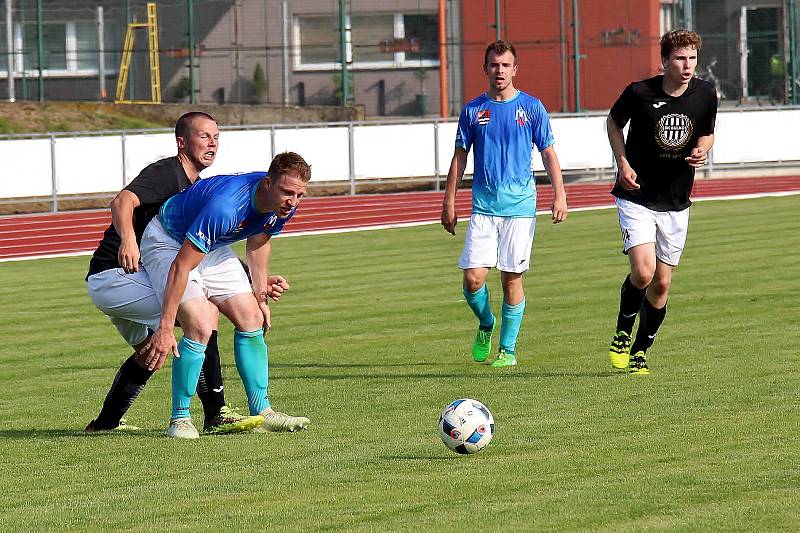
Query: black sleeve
<point x="710" y="118"/>
<point x="621" y="110"/>
<point x="154" y="184"/>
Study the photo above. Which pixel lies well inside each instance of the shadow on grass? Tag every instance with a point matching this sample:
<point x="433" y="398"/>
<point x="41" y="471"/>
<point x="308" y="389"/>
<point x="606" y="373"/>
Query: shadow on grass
<point x="488" y="375"/>
<point x="426" y="458"/>
<point x="51" y="434"/>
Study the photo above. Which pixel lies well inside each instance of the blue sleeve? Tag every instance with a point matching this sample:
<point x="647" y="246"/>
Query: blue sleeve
<point x="213" y="222"/>
<point x="464" y="132"/>
<point x="542" y="132"/>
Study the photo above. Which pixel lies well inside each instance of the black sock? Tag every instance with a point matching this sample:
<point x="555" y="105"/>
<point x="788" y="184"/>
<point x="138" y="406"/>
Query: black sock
<point x="129" y="382"/>
<point x="209" y="386"/>
<point x="630" y="300"/>
<point x="650" y="320"/>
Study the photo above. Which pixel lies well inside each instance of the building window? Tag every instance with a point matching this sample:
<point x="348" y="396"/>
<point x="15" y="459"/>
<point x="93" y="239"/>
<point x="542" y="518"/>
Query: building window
<point x="376" y="41"/>
<point x="70" y="49"/>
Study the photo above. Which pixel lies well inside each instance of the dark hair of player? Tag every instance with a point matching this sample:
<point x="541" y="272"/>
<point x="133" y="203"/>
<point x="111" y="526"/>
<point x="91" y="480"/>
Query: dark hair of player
<point x="499" y="48"/>
<point x="679" y="38"/>
<point x="184" y="124"/>
<point x="290" y="161"/>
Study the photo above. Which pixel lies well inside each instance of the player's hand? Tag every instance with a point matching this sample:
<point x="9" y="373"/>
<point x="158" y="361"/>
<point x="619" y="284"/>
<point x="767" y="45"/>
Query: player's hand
<point x="276" y="286"/>
<point x="559" y="210"/>
<point x="161" y="344"/>
<point x="265" y="312"/>
<point x="698" y="157"/>
<point x="449" y="218"/>
<point x="128" y="256"/>
<point x="626" y="177"/>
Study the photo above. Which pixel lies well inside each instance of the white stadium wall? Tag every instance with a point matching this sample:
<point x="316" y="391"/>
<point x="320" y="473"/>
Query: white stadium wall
<point x="380" y="151"/>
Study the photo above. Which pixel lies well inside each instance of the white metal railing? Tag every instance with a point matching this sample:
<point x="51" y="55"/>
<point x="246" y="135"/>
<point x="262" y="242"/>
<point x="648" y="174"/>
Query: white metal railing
<point x="85" y="163"/>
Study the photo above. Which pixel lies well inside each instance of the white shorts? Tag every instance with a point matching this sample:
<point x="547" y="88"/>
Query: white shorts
<point x="502" y="242"/>
<point x="667" y="229"/>
<point x="218" y="276"/>
<point x="128" y="300"/>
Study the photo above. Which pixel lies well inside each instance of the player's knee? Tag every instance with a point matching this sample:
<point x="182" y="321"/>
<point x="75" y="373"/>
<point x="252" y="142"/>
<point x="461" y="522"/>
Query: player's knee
<point x="199" y="330"/>
<point x="642" y="277"/>
<point x="250" y="321"/>
<point x="660" y="286"/>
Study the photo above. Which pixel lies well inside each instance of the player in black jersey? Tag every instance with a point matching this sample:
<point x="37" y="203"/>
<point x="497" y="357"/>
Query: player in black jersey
<point x="121" y="289"/>
<point x="671" y="130"/>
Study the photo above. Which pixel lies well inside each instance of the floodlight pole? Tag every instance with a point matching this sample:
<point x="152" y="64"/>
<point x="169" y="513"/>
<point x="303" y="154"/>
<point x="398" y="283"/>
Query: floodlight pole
<point x="10" y="47"/>
<point x="40" y="47"/>
<point x="577" y="56"/>
<point x="190" y="21"/>
<point x="496" y="20"/>
<point x="344" y="34"/>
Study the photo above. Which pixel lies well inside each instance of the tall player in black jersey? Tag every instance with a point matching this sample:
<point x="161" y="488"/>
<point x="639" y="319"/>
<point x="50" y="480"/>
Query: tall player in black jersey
<point x="671" y="131"/>
<point x="121" y="289"/>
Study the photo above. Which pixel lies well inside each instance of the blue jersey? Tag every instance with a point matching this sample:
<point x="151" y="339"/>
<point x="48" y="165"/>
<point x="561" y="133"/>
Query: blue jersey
<point x="218" y="211"/>
<point x="503" y="134"/>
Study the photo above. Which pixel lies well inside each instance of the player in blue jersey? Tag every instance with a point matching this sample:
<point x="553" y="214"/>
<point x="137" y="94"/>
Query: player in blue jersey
<point x="121" y="289"/>
<point x="501" y="126"/>
<point x="185" y="251"/>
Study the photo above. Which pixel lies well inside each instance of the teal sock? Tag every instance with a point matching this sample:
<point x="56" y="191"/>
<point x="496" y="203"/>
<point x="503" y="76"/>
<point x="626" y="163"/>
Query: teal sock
<point x="512" y="320"/>
<point x="478" y="301"/>
<point x="252" y="362"/>
<point x="185" y="372"/>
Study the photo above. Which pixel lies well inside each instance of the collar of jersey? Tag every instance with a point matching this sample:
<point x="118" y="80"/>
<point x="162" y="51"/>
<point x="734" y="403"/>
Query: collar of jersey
<point x="253" y="198"/>
<point x="502" y="102"/>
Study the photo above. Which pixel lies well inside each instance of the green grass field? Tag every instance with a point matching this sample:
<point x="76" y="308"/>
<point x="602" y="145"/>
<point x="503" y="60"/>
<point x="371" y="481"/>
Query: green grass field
<point x="372" y="341"/>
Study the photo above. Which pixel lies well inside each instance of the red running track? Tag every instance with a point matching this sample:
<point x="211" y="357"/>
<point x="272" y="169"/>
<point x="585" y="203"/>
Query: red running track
<point x="30" y="236"/>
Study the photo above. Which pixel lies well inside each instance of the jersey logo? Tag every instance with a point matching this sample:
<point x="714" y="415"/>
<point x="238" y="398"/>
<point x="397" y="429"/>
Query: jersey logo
<point x="483" y="117"/>
<point x="659" y="104"/>
<point x="673" y="131"/>
<point x="520" y="116"/>
<point x="271" y="222"/>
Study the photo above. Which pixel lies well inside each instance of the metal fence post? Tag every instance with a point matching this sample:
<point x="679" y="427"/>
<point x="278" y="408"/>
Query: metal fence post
<point x="351" y="164"/>
<point x="53" y="177"/>
<point x="436" y="154"/>
<point x="124" y="162"/>
<point x="271" y="144"/>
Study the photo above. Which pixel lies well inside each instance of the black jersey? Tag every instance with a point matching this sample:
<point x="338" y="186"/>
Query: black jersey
<point x="155" y="184"/>
<point x="663" y="131"/>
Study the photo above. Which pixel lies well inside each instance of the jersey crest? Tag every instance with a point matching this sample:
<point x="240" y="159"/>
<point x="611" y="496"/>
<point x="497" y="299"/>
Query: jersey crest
<point x="520" y="117"/>
<point x="483" y="116"/>
<point x="673" y="131"/>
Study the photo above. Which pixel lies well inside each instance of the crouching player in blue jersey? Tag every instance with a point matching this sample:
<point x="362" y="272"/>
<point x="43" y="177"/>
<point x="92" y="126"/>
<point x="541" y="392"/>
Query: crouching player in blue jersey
<point x="502" y="125"/>
<point x="185" y="251"/>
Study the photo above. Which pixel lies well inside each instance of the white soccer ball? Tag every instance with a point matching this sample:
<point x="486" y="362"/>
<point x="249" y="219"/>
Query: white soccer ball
<point x="466" y="426"/>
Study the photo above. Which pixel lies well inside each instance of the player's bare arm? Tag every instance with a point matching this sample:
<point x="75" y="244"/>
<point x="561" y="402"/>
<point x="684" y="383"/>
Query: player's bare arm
<point x="258" y="249"/>
<point x="454" y="175"/>
<point x="553" y="169"/>
<point x="122" y="207"/>
<point x="699" y="155"/>
<point x="626" y="176"/>
<point x="163" y="342"/>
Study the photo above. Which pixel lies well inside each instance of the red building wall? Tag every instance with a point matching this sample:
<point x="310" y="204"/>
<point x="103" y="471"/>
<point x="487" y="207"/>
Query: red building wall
<point x="618" y="39"/>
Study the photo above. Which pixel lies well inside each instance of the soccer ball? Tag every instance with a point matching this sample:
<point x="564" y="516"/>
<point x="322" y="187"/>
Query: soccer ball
<point x="466" y="426"/>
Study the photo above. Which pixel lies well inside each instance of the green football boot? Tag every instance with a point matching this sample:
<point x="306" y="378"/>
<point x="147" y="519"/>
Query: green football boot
<point x="639" y="364"/>
<point x="123" y="427"/>
<point x="619" y="351"/>
<point x="482" y="346"/>
<point x="229" y="421"/>
<point x="504" y="359"/>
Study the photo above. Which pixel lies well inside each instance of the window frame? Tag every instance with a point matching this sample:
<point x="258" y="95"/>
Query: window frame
<point x="71" y="52"/>
<point x="398" y="61"/>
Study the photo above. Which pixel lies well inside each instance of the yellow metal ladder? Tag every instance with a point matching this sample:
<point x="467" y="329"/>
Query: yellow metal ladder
<point x="152" y="48"/>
